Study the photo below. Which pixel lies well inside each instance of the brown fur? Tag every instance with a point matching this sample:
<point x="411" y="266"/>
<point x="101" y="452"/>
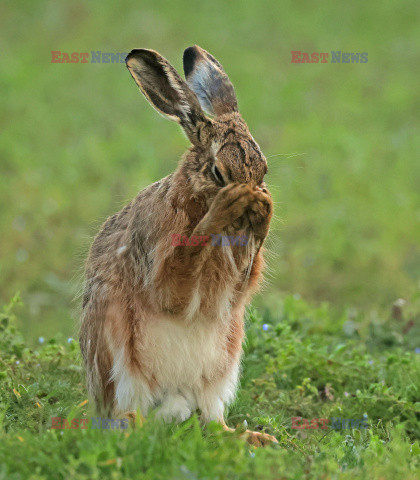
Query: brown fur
<point x="134" y="274"/>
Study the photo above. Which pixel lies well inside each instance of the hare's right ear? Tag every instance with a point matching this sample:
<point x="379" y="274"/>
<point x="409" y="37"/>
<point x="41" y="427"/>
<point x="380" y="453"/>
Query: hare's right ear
<point x="207" y="78"/>
<point x="166" y="90"/>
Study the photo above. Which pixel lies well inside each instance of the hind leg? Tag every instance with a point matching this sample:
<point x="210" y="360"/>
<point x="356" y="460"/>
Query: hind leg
<point x="116" y="376"/>
<point x="95" y="350"/>
<point x="132" y="392"/>
<point x="212" y="401"/>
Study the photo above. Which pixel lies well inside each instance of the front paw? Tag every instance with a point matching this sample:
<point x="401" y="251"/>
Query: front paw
<point x="259" y="212"/>
<point x="229" y="205"/>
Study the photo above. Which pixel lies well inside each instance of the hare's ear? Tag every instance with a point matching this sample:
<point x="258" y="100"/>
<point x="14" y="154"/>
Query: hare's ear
<point x="209" y="81"/>
<point x="166" y="90"/>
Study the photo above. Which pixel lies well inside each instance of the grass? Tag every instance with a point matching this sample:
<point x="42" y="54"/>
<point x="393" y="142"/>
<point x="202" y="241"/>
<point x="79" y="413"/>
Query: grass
<point x="294" y="366"/>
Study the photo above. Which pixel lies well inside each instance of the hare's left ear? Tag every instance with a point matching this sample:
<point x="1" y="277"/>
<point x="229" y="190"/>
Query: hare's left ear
<point x="209" y="81"/>
<point x="166" y="90"/>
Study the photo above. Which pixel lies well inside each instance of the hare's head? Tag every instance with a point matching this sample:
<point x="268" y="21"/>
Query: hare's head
<point x="223" y="149"/>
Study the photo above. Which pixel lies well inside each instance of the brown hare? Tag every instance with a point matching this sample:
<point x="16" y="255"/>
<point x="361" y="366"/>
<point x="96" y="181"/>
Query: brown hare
<point x="163" y="323"/>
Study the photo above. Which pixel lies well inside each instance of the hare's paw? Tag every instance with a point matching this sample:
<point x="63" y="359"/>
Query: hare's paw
<point x="230" y="203"/>
<point x="134" y="419"/>
<point x="260" y="211"/>
<point x="259" y="439"/>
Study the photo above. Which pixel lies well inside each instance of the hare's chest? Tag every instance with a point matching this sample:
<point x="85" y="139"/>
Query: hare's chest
<point x="181" y="354"/>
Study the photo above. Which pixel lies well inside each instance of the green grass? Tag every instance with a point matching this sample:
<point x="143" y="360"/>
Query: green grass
<point x="303" y="363"/>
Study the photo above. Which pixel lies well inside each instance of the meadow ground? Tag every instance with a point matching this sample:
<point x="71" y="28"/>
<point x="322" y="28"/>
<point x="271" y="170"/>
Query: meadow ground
<point x="301" y="362"/>
<point x="77" y="141"/>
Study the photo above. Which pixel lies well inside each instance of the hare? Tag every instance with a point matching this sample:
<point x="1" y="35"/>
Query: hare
<point x="162" y="324"/>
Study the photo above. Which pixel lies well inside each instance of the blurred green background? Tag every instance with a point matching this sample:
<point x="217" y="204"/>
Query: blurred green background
<point x="77" y="141"/>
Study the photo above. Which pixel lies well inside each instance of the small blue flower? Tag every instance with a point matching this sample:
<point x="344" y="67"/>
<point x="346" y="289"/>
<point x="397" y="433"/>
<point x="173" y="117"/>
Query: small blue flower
<point x="417" y="350"/>
<point x="365" y="415"/>
<point x="265" y="327"/>
<point x="17" y="362"/>
<point x="370" y="362"/>
<point x="252" y="454"/>
<point x="346" y="394"/>
<point x="69" y="340"/>
<point x="41" y="339"/>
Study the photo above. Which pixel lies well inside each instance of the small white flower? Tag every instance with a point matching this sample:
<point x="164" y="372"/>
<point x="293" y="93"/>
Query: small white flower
<point x="69" y="340"/>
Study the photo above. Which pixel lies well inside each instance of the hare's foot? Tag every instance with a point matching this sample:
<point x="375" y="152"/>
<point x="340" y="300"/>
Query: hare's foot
<point x="257" y="439"/>
<point x="133" y="418"/>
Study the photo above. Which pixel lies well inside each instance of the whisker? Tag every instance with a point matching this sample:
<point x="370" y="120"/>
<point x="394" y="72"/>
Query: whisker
<point x="287" y="155"/>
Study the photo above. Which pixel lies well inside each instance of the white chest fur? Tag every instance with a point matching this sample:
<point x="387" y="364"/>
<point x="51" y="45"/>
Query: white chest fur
<point x="186" y="361"/>
<point x="183" y="354"/>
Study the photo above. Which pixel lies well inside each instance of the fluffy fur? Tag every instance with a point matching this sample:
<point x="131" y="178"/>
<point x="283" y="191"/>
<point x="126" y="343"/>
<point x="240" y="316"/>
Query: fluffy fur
<point x="162" y="326"/>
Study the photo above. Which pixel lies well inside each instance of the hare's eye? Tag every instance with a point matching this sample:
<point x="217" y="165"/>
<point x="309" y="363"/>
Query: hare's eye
<point x="217" y="175"/>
